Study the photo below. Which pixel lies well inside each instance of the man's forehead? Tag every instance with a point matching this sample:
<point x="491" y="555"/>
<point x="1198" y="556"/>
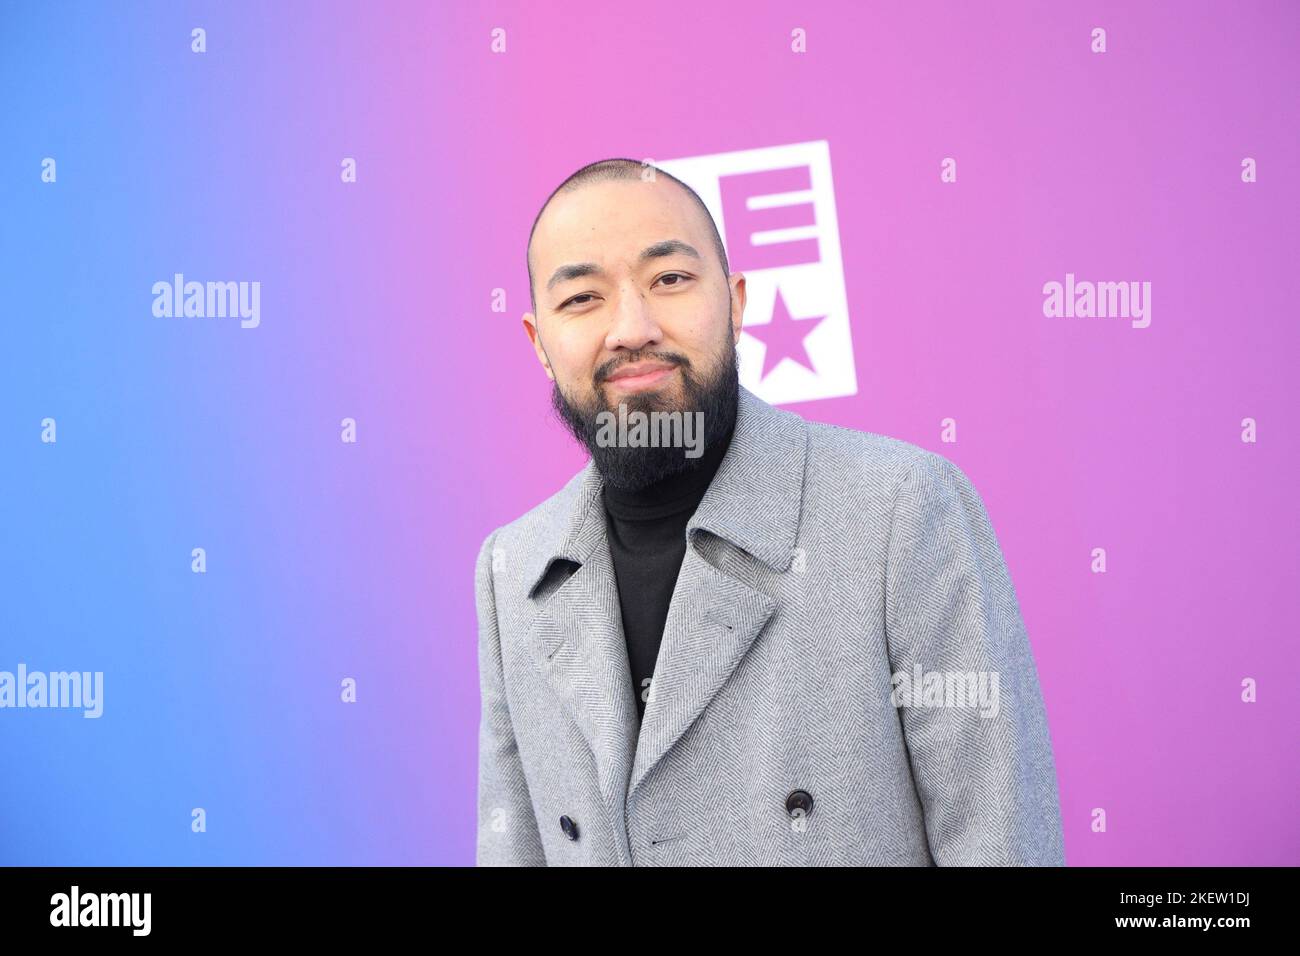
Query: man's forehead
<point x="615" y="217"/>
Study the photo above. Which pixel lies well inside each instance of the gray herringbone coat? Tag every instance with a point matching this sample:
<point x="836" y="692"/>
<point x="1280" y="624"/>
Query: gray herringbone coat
<point x="820" y="563"/>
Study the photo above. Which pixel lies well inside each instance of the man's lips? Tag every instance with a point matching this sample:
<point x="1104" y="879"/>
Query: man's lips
<point x="632" y="378"/>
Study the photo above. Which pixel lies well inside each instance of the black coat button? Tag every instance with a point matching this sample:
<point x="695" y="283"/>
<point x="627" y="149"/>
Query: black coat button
<point x="799" y="803"/>
<point x="569" y="827"/>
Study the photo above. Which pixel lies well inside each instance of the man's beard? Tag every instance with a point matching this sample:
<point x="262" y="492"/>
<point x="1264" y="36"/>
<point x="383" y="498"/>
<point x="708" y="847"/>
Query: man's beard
<point x="636" y="468"/>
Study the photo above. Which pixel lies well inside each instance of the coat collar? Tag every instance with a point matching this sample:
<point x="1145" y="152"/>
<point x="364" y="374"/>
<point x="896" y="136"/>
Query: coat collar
<point x="753" y="502"/>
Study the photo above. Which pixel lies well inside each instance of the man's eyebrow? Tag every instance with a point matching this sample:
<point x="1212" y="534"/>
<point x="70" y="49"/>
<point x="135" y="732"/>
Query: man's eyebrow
<point x="669" y="247"/>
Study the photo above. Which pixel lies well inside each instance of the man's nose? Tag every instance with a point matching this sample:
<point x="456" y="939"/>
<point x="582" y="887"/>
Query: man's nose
<point x="634" y="325"/>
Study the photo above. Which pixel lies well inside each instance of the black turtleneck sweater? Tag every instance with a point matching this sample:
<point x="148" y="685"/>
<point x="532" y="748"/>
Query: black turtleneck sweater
<point x="647" y="541"/>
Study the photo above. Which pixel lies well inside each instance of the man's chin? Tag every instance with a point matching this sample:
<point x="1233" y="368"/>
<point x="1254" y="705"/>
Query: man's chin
<point x="715" y="400"/>
<point x="635" y="469"/>
<point x="662" y="398"/>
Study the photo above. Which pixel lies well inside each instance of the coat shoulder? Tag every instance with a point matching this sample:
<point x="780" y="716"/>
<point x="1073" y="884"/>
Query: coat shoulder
<point x="864" y="458"/>
<point x="854" y="473"/>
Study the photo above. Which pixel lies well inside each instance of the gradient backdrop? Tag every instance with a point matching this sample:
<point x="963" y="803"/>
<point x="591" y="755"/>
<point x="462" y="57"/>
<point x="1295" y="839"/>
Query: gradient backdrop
<point x="328" y="560"/>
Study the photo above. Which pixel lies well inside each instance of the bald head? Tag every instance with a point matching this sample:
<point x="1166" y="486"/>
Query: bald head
<point x="630" y="171"/>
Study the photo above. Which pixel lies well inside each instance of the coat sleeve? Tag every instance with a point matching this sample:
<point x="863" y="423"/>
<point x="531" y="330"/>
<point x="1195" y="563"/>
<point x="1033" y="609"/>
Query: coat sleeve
<point x="985" y="774"/>
<point x="507" y="827"/>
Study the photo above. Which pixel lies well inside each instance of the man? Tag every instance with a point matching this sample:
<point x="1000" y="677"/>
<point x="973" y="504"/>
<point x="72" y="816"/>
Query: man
<point x="788" y="644"/>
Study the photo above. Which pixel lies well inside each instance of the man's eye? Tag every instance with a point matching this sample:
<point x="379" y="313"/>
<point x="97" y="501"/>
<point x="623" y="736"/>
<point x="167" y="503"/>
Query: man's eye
<point x="587" y="295"/>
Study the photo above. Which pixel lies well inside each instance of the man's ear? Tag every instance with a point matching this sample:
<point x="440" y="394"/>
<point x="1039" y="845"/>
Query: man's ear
<point x="530" y="327"/>
<point x="737" y="281"/>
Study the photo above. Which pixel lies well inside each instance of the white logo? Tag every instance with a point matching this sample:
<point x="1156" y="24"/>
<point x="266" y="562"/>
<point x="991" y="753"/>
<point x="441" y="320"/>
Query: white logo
<point x="775" y="210"/>
<point x="102" y="909"/>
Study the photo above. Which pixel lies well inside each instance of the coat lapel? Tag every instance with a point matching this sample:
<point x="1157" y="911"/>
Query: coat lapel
<point x="712" y="621"/>
<point x="753" y="503"/>
<point x="578" y="643"/>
